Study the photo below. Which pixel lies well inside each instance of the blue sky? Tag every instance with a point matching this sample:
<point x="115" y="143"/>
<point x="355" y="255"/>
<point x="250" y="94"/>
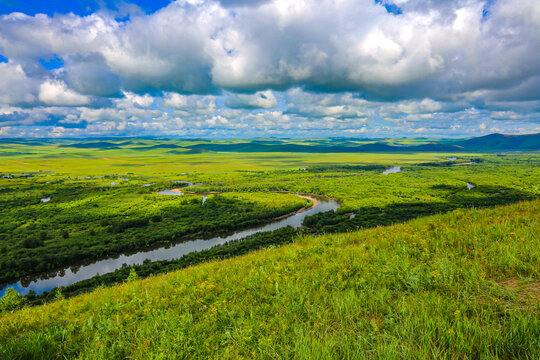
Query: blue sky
<point x="79" y="7"/>
<point x="239" y="68"/>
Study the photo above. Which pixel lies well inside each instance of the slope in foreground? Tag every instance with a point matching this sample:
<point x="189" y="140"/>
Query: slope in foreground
<point x="461" y="285"/>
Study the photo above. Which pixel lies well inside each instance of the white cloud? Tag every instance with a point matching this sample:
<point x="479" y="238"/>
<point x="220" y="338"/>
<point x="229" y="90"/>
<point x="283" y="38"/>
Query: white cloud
<point x="177" y="101"/>
<point x="190" y="104"/>
<point x="131" y="99"/>
<point x="55" y="92"/>
<point x="413" y="107"/>
<point x="504" y="115"/>
<point x="336" y="64"/>
<point x="261" y="99"/>
<point x="15" y="86"/>
<point x="197" y="47"/>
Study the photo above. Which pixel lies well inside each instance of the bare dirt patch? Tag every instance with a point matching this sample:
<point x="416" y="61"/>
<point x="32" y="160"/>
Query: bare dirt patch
<point x="527" y="292"/>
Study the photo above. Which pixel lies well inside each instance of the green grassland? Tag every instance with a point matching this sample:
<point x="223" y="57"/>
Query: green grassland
<point x="453" y="281"/>
<point x="88" y="218"/>
<point x="463" y="285"/>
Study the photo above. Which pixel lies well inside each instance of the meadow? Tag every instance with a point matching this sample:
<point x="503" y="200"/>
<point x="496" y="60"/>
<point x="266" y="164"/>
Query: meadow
<point x="429" y="262"/>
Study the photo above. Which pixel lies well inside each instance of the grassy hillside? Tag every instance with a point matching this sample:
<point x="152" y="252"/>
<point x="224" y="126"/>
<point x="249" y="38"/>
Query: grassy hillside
<point x="502" y="142"/>
<point x="461" y="285"/>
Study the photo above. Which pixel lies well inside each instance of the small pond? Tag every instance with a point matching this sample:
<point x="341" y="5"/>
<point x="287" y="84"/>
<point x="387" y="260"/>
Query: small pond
<point x="392" y="170"/>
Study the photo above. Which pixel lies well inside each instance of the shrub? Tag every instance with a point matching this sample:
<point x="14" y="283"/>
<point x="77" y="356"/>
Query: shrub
<point x="132" y="275"/>
<point x="31" y="243"/>
<point x="11" y="300"/>
<point x="135" y="223"/>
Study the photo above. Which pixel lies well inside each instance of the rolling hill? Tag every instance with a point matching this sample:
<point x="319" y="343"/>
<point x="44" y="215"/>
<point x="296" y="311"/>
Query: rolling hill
<point x="500" y="142"/>
<point x="374" y="147"/>
<point x="489" y="143"/>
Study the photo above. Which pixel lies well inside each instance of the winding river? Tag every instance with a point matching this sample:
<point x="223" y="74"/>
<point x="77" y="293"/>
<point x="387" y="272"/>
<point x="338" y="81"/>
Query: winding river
<point x="73" y="274"/>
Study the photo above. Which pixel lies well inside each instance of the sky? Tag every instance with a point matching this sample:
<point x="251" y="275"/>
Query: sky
<point x="269" y="68"/>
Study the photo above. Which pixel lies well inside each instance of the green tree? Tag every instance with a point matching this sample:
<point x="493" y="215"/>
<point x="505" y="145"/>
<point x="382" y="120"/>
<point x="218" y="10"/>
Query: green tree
<point x="132" y="275"/>
<point x="11" y="300"/>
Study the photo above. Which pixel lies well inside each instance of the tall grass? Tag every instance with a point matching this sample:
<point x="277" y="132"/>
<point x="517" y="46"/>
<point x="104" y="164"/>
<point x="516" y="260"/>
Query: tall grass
<point x="463" y="285"/>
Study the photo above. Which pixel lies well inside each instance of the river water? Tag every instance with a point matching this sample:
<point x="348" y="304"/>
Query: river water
<point x="392" y="170"/>
<point x="73" y="274"/>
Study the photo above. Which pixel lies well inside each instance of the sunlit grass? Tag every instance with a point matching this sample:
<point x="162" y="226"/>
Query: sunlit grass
<point x="460" y="286"/>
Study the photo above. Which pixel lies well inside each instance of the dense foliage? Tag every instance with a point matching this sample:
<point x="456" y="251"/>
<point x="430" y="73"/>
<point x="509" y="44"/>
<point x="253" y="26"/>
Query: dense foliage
<point x="85" y="220"/>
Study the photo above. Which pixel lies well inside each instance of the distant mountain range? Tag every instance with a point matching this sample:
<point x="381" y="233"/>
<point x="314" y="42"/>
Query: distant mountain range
<point x="489" y="143"/>
<point x="499" y="142"/>
<point x="374" y="147"/>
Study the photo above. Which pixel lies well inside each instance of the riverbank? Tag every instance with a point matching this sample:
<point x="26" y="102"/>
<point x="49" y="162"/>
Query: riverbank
<point x="73" y="274"/>
<point x="314" y="202"/>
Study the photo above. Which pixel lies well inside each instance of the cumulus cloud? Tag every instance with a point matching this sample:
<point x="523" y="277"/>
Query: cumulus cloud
<point x="89" y="74"/>
<point x="190" y="105"/>
<point x="134" y="100"/>
<point x="55" y="92"/>
<point x="412" y="107"/>
<point x="326" y="64"/>
<point x="261" y="99"/>
<point x="15" y="86"/>
<point x="241" y="3"/>
<point x="201" y="46"/>
<point x="337" y="105"/>
<point x="504" y="115"/>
